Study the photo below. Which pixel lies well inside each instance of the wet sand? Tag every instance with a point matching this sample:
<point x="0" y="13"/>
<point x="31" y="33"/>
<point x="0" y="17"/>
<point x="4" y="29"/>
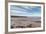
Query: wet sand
<point x="25" y="22"/>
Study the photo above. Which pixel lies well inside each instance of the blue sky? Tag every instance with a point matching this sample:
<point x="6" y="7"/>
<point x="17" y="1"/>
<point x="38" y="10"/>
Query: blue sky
<point x="19" y="10"/>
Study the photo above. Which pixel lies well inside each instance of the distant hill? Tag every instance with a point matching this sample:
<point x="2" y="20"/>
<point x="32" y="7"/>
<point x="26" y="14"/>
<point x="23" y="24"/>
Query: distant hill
<point x="20" y="16"/>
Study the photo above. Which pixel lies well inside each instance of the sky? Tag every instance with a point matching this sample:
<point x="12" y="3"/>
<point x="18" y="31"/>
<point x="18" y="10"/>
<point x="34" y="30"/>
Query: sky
<point x="20" y="10"/>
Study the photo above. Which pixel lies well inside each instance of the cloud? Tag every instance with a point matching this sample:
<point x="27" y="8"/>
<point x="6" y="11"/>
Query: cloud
<point x="25" y="10"/>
